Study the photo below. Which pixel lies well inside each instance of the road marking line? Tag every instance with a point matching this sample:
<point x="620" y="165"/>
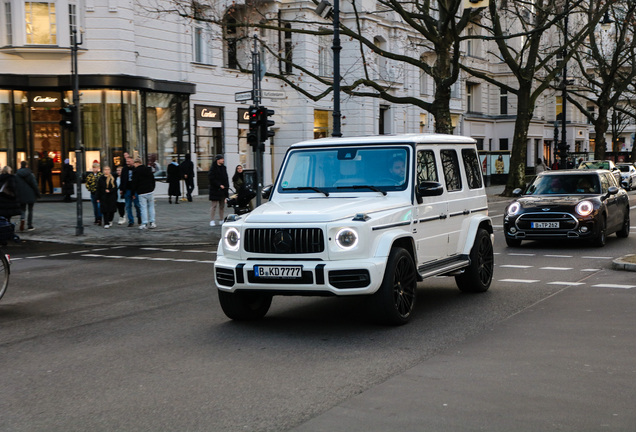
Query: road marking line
<point x="60" y="254"/>
<point x="496" y="253"/>
<point x="118" y="247"/>
<point x="515" y="266"/>
<point x="114" y="256"/>
<point x="518" y="280"/>
<point x="183" y="260"/>
<point x="150" y="248"/>
<point x="194" y="251"/>
<point x="206" y="262"/>
<point x="160" y="259"/>
<point x="614" y="286"/>
<point x="593" y="257"/>
<point x="497" y="226"/>
<point x="79" y="251"/>
<point x="38" y="256"/>
<point x="590" y="270"/>
<point x="15" y="259"/>
<point x="632" y="208"/>
<point x="139" y="258"/>
<point x="520" y="254"/>
<point x="169" y="250"/>
<point x="566" y="283"/>
<point x="555" y="268"/>
<point x="93" y="255"/>
<point x="559" y="256"/>
<point x="97" y="250"/>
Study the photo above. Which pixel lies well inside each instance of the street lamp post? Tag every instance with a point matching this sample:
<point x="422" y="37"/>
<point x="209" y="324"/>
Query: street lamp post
<point x="79" y="229"/>
<point x="324" y="10"/>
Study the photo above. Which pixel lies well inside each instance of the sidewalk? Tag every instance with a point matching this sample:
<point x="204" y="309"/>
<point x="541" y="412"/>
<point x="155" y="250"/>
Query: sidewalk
<point x="186" y="223"/>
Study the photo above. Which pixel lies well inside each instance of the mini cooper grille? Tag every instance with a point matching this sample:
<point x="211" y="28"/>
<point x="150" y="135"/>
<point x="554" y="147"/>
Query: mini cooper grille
<point x="566" y="220"/>
<point x="225" y="277"/>
<point x="284" y="240"/>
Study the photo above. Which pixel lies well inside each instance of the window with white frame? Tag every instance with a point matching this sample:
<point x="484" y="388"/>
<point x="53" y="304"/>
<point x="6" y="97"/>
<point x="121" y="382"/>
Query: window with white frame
<point x="41" y="23"/>
<point x="325" y="56"/>
<point x="8" y="23"/>
<point x="288" y="50"/>
<point x="503" y="101"/>
<point x="470" y="97"/>
<point x="455" y="90"/>
<point x="470" y="48"/>
<point x="201" y="50"/>
<point x="423" y="83"/>
<point x="72" y="20"/>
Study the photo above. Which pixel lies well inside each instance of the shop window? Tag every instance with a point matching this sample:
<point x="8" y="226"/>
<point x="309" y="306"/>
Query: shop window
<point x="6" y="126"/>
<point x="92" y="126"/>
<point x="323" y="124"/>
<point x="209" y="144"/>
<point x="41" y="27"/>
<point x="8" y="23"/>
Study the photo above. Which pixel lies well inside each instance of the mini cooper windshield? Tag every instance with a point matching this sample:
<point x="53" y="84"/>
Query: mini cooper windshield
<point x="345" y="169"/>
<point x="564" y="185"/>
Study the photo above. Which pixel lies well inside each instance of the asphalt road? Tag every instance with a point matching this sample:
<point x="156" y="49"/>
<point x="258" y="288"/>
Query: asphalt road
<point x="134" y="339"/>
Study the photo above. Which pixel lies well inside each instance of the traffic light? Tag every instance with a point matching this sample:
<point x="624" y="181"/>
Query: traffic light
<point x="68" y="118"/>
<point x="265" y="123"/>
<point x="252" y="135"/>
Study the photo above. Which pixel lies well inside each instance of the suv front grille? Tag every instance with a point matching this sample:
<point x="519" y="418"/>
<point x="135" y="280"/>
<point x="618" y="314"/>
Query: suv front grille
<point x="225" y="277"/>
<point x="284" y="240"/>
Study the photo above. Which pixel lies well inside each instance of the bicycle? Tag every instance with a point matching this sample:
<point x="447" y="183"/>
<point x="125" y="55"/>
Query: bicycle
<point x="7" y="232"/>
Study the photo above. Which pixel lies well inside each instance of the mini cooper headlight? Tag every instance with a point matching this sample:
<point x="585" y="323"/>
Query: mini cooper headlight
<point x="346" y="238"/>
<point x="514" y="209"/>
<point x="232" y="239"/>
<point x="584" y="208"/>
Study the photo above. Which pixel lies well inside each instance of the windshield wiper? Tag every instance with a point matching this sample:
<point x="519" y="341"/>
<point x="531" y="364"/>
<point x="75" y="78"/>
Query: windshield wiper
<point x="373" y="188"/>
<point x="315" y="189"/>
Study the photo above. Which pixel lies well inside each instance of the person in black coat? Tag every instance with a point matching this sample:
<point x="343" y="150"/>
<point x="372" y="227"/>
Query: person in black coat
<point x="27" y="192"/>
<point x="143" y="186"/>
<point x="174" y="175"/>
<point x="9" y="202"/>
<point x="219" y="185"/>
<point x="107" y="196"/>
<point x="68" y="180"/>
<point x="187" y="173"/>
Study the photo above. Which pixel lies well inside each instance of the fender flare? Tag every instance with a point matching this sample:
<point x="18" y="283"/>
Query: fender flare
<point x="386" y="241"/>
<point x="474" y="225"/>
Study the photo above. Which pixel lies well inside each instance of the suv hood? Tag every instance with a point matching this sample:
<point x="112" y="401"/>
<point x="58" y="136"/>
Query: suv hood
<point x="553" y="201"/>
<point x="327" y="209"/>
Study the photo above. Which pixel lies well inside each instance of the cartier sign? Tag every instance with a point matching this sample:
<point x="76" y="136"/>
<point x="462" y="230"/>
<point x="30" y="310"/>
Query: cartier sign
<point x="243" y="115"/>
<point x="208" y="113"/>
<point x="44" y="99"/>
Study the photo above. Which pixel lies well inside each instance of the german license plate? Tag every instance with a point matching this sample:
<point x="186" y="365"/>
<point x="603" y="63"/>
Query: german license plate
<point x="278" y="272"/>
<point x="544" y="225"/>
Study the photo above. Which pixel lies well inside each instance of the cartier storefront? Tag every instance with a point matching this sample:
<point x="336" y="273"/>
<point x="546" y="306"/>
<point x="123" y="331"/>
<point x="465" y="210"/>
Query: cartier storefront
<point x="141" y="116"/>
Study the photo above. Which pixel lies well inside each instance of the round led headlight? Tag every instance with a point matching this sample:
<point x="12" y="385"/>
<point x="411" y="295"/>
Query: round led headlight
<point x="514" y="208"/>
<point x="232" y="239"/>
<point x="346" y="238"/>
<point x="584" y="208"/>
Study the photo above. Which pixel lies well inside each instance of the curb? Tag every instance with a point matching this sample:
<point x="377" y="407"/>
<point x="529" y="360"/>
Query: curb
<point x="620" y="264"/>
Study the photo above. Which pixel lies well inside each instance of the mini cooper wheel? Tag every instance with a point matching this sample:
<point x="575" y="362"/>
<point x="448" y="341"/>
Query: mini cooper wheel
<point x="624" y="231"/>
<point x="513" y="242"/>
<point x="478" y="276"/>
<point x="244" y="306"/>
<point x="394" y="301"/>
<point x="601" y="234"/>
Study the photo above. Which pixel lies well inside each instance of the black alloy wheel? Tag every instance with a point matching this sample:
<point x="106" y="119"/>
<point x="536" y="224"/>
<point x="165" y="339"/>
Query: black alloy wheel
<point x="478" y="276"/>
<point x="624" y="231"/>
<point x="601" y="234"/>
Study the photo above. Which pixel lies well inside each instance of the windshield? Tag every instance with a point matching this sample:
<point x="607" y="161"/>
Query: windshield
<point x="623" y="168"/>
<point x="563" y="185"/>
<point x="345" y="169"/>
<point x="595" y="165"/>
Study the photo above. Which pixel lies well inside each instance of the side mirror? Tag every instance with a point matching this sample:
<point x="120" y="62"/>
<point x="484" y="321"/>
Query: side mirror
<point x="430" y="188"/>
<point x="624" y="184"/>
<point x="613" y="190"/>
<point x="517" y="192"/>
<point x="266" y="192"/>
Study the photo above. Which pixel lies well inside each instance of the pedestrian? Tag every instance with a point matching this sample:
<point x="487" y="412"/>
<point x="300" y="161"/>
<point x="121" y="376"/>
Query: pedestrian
<point x="174" y="176"/>
<point x="569" y="163"/>
<point x="541" y="167"/>
<point x="238" y="181"/>
<point x="187" y="172"/>
<point x="9" y="201"/>
<point x="91" y="185"/>
<point x="219" y="184"/>
<point x="68" y="180"/>
<point x="143" y="186"/>
<point x="45" y="167"/>
<point x="125" y="190"/>
<point x="121" y="201"/>
<point x="27" y="193"/>
<point x="107" y="196"/>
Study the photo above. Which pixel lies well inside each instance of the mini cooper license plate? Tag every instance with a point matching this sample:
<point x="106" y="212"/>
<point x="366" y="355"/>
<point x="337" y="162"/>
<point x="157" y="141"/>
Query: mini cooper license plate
<point x="544" y="225"/>
<point x="278" y="272"/>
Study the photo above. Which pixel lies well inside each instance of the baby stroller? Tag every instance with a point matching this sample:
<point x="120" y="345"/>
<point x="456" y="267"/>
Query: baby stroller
<point x="240" y="201"/>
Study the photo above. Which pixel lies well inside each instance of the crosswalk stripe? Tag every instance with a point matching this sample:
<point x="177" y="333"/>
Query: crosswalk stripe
<point x="519" y="280"/>
<point x="555" y="268"/>
<point x="559" y="256"/>
<point x="614" y="286"/>
<point x="516" y="266"/>
<point x="593" y="257"/>
<point x="566" y="283"/>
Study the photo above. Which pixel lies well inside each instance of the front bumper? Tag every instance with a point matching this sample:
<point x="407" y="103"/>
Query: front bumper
<point x="321" y="278"/>
<point x="582" y="228"/>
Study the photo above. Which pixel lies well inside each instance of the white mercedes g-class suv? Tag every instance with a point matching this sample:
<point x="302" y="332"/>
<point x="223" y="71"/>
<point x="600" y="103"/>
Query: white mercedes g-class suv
<point x="367" y="216"/>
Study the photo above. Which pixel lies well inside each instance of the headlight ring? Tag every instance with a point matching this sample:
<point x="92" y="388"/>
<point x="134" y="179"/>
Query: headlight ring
<point x="584" y="208"/>
<point x="514" y="208"/>
<point x="347" y="238"/>
<point x="232" y="239"/>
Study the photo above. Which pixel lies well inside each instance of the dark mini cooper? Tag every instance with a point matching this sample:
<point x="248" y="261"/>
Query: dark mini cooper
<point x="568" y="204"/>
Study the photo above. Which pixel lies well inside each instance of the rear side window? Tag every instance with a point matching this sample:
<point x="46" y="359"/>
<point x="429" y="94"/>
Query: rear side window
<point x="426" y="169"/>
<point x="605" y="184"/>
<point x="450" y="165"/>
<point x="472" y="168"/>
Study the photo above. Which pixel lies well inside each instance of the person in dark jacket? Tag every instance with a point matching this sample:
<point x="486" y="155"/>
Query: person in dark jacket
<point x="187" y="173"/>
<point x="68" y="180"/>
<point x="219" y="185"/>
<point x="27" y="193"/>
<point x="143" y="186"/>
<point x="45" y="167"/>
<point x="174" y="175"/>
<point x="238" y="181"/>
<point x="9" y="202"/>
<point x="91" y="186"/>
<point x="126" y="191"/>
<point x="107" y="196"/>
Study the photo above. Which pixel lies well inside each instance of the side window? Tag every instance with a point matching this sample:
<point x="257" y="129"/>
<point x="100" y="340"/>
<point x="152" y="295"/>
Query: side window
<point x="426" y="169"/>
<point x="450" y="165"/>
<point x="605" y="184"/>
<point x="472" y="168"/>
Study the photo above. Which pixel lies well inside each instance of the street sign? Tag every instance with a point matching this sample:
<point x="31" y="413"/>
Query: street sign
<point x="273" y="94"/>
<point x="243" y="96"/>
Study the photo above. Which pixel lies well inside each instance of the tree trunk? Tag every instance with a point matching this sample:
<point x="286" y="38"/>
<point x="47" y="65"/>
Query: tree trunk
<point x="517" y="174"/>
<point x="442" y="73"/>
<point x="600" y="129"/>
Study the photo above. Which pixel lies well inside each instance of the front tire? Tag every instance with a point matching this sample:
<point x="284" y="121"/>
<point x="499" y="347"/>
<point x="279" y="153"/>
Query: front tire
<point x="4" y="274"/>
<point x="478" y="276"/>
<point x="244" y="306"/>
<point x="394" y="301"/>
<point x="601" y="235"/>
<point x="624" y="232"/>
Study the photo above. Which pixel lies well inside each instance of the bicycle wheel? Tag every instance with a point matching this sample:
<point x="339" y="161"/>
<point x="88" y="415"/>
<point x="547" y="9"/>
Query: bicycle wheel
<point x="4" y="274"/>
